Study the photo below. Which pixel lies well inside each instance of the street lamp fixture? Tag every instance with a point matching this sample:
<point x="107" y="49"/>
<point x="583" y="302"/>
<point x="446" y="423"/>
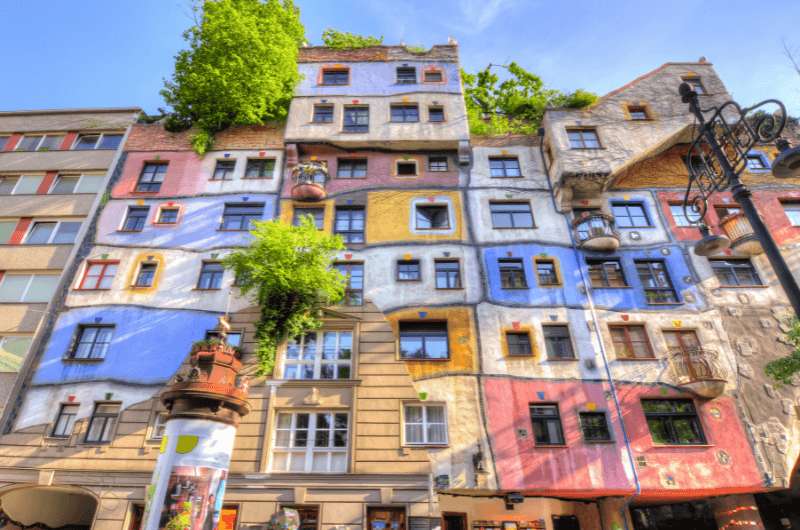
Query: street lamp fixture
<point x="787" y="163"/>
<point x="711" y="244"/>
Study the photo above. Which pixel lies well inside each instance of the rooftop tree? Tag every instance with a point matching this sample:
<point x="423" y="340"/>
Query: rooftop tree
<point x="240" y="67"/>
<point x="333" y="38"/>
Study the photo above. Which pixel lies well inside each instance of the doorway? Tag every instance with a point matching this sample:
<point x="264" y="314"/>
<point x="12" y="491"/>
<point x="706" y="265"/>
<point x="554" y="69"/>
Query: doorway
<point x="386" y="518"/>
<point x="454" y="521"/>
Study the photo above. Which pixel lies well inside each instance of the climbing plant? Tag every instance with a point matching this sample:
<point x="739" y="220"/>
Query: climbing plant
<point x="783" y="369"/>
<point x="287" y="271"/>
<point x="333" y="38"/>
<point x="240" y="67"/>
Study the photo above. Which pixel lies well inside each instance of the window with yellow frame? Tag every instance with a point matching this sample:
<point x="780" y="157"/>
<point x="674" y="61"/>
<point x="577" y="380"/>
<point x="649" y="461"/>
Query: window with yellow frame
<point x="547" y="271"/>
<point x="518" y="342"/>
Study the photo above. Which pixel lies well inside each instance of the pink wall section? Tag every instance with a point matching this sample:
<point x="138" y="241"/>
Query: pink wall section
<point x="183" y="174"/>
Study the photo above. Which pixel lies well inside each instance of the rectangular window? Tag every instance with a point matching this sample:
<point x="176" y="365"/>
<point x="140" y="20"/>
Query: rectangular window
<point x="424" y="340"/>
<point x="546" y="272"/>
<point x="152" y="177"/>
<point x="30" y="288"/>
<point x="323" y="114"/>
<point x="638" y="112"/>
<point x="425" y="424"/>
<point x="630" y="215"/>
<point x="335" y="76"/>
<point x="679" y="215"/>
<point x="349" y="223"/>
<point x="432" y="76"/>
<point x="406" y="168"/>
<point x="406" y="75"/>
<point x="134" y="221"/>
<point x="28" y="143"/>
<point x="309" y="516"/>
<point x="356" y="119"/>
<point x="146" y="275"/>
<point x="27" y="184"/>
<point x="167" y="216"/>
<point x="13" y="349"/>
<point x="158" y="426"/>
<point x="695" y="84"/>
<point x="606" y="273"/>
<point x="432" y="217"/>
<point x="791" y="209"/>
<point x="594" y="427"/>
<point x="8" y="184"/>
<point x="259" y="168"/>
<point x="405" y="113"/>
<point x="354" y="288"/>
<point x="53" y="233"/>
<point x="673" y="422"/>
<point x="735" y="272"/>
<point x="92" y="342"/>
<point x="408" y="271"/>
<point x="48" y="142"/>
<point x="87" y="142"/>
<point x="319" y="355"/>
<point x="519" y="343"/>
<point x="211" y="273"/>
<point x="65" y="421"/>
<point x="101" y="425"/>
<point x="437" y="163"/>
<point x="631" y="342"/>
<point x="756" y="163"/>
<point x="435" y="114"/>
<point x="240" y="217"/>
<point x="557" y="342"/>
<point x="90" y="184"/>
<point x="98" y="274"/>
<point x="310" y="442"/>
<point x="507" y="166"/>
<point x="512" y="273"/>
<point x="448" y="274"/>
<point x="3" y="142"/>
<point x="583" y="139"/>
<point x="546" y="425"/>
<point x="51" y="142"/>
<point x="7" y="228"/>
<point x="656" y="282"/>
<point x="64" y="185"/>
<point x="511" y="214"/>
<point x="350" y="168"/>
<point x="224" y="170"/>
<point x="316" y="214"/>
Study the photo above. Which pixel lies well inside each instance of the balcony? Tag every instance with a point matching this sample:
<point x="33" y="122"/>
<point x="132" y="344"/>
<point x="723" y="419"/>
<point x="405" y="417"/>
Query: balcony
<point x="743" y="240"/>
<point x="698" y="370"/>
<point x="595" y="231"/>
<point x="309" y="181"/>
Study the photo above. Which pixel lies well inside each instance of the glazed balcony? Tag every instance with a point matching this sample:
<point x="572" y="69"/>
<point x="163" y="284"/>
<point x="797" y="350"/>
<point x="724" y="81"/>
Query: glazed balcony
<point x="596" y="231"/>
<point x="698" y="370"/>
<point x="309" y="180"/>
<point x="743" y="240"/>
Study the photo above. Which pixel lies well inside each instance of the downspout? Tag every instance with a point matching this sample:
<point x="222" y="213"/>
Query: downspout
<point x="598" y="336"/>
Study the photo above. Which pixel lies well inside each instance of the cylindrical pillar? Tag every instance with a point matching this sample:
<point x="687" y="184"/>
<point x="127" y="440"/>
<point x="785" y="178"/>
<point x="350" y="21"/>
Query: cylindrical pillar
<point x="736" y="512"/>
<point x="205" y="405"/>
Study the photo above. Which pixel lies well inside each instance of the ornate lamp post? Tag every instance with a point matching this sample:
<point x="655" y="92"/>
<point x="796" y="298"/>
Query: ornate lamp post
<point x="717" y="158"/>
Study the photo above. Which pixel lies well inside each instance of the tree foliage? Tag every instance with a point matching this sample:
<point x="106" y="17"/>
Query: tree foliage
<point x="514" y="105"/>
<point x="784" y="369"/>
<point x="240" y="67"/>
<point x="287" y="271"/>
<point x="333" y="38"/>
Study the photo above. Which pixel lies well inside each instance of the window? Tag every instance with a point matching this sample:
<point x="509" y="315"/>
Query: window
<point x="546" y="272"/>
<point x="631" y="342"/>
<point x="606" y="273"/>
<point x="511" y="215"/>
<point x="630" y="215"/>
<point x="66" y="184"/>
<point x="98" y="274"/>
<point x="8" y="184"/>
<point x="432" y="76"/>
<point x="424" y="340"/>
<point x="335" y="76"/>
<point x="356" y="119"/>
<point x="211" y="273"/>
<point x="435" y="114"/>
<point x="448" y="274"/>
<point x="168" y="216"/>
<point x="724" y="210"/>
<point x="406" y="168"/>
<point x="92" y="342"/>
<point x="348" y="168"/>
<point x="13" y="349"/>
<point x="51" y="142"/>
<point x="349" y="223"/>
<point x="25" y="184"/>
<point x="240" y="216"/>
<point x="432" y="217"/>
<point x="3" y="142"/>
<point x="6" y="230"/>
<point x="97" y="141"/>
<point x="46" y="142"/>
<point x="406" y="75"/>
<point x="638" y="112"/>
<point x="583" y="139"/>
<point x="316" y="214"/>
<point x="159" y="426"/>
<point x="354" y="288"/>
<point x="224" y="170"/>
<point x="679" y="215"/>
<point x="735" y="272"/>
<point x="425" y="424"/>
<point x="65" y="420"/>
<point x="557" y="342"/>
<point x="232" y="338"/>
<point x="101" y="425"/>
<point x="504" y="167"/>
<point x="146" y="275"/>
<point x="512" y="273"/>
<point x="323" y="114"/>
<point x="594" y="427"/>
<point x="546" y="425"/>
<point x="437" y="163"/>
<point x="308" y="442"/>
<point x="53" y="232"/>
<point x="259" y="168"/>
<point x="681" y="341"/>
<point x="152" y="177"/>
<point x="29" y="288"/>
<point x="134" y="221"/>
<point x="656" y="282"/>
<point x="756" y="162"/>
<point x="695" y="84"/>
<point x="408" y="271"/>
<point x="673" y="422"/>
<point x="405" y="113"/>
<point x="309" y="516"/>
<point x="319" y="355"/>
<point x="791" y="209"/>
<point x="518" y="343"/>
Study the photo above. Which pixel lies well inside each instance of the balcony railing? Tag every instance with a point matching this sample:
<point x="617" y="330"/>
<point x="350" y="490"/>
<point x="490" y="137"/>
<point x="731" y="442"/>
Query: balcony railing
<point x="309" y="180"/>
<point x="595" y="231"/>
<point x="699" y="370"/>
<point x="738" y="229"/>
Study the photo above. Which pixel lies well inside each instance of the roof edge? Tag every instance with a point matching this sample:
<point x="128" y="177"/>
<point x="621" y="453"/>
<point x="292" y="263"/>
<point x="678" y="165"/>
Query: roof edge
<point x="86" y="110"/>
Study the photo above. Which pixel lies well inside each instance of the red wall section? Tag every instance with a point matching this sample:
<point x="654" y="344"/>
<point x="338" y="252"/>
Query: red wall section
<point x="12" y="142"/>
<point x="20" y="230"/>
<point x="183" y="177"/>
<point x="47" y="182"/>
<point x="69" y="139"/>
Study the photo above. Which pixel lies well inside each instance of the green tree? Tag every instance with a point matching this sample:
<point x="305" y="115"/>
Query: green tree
<point x="333" y="38"/>
<point x="287" y="271"/>
<point x="783" y="369"/>
<point x="240" y="68"/>
<point x="515" y="105"/>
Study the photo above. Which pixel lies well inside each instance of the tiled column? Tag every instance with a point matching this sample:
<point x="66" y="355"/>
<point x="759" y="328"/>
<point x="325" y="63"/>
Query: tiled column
<point x="736" y="512"/>
<point x="614" y="514"/>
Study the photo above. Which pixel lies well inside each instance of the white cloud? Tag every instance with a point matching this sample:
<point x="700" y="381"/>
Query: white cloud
<point x="475" y="16"/>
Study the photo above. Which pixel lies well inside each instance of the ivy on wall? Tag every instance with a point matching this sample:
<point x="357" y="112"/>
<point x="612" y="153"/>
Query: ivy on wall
<point x="784" y="369"/>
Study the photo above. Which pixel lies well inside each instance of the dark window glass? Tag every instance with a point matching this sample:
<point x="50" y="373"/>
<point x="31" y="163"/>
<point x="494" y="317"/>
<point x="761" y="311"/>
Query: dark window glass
<point x="423" y="340"/>
<point x="110" y="141"/>
<point x="518" y="343"/>
<point x="512" y="273"/>
<point x="606" y="273"/>
<point x="335" y="76"/>
<point x="735" y="272"/>
<point x="224" y="170"/>
<point x="696" y="85"/>
<point x="147" y="272"/>
<point x="210" y="275"/>
<point x="259" y="168"/>
<point x="630" y="342"/>
<point x="101" y="425"/>
<point x="504" y="167"/>
<point x="3" y="142"/>
<point x="408" y="271"/>
<point x="637" y="112"/>
<point x="7" y="184"/>
<point x="65" y="421"/>
<point x="437" y="163"/>
<point x="406" y="75"/>
<point x="240" y="216"/>
<point x="673" y="422"/>
<point x="583" y="139"/>
<point x="557" y="342"/>
<point x="448" y="274"/>
<point x="594" y="426"/>
<point x="433" y="76"/>
<point x="432" y="217"/>
<point x="406" y="168"/>
<point x="356" y="119"/>
<point x="168" y="216"/>
<point x="436" y="114"/>
<point x="349" y="223"/>
<point x="86" y="142"/>
<point x="511" y="214"/>
<point x="546" y="272"/>
<point x="656" y="282"/>
<point x="134" y="221"/>
<point x="323" y="114"/>
<point x="546" y="425"/>
<point x="354" y="288"/>
<point x="309" y="517"/>
<point x="28" y="143"/>
<point x="405" y="113"/>
<point x="92" y="342"/>
<point x="348" y="168"/>
<point x="318" y="214"/>
<point x="152" y="177"/>
<point x="630" y="215"/>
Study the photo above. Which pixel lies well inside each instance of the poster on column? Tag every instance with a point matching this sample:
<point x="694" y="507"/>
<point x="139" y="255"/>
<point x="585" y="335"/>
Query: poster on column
<point x="194" y="498"/>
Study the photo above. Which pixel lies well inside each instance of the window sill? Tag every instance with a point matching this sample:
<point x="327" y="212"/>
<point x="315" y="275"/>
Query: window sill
<point x="259" y="178"/>
<point x="507" y="177"/>
<point x="130" y="231"/>
<point x="636" y="359"/>
<point x="514" y="227"/>
<point x="207" y="289"/>
<point x="320" y="382"/>
<point x="164" y="225"/>
<point x="553" y="286"/>
<point x="587" y="148"/>
<point x="515" y="288"/>
<point x="549" y="360"/>
<point x="425" y="446"/>
<point x="664" y="303"/>
<point x="221" y="180"/>
<point x="681" y="446"/>
<point x="91" y="290"/>
<point x="355" y="132"/>
<point x="449" y="288"/>
<point x="520" y="356"/>
<point x="602" y="442"/>
<point x="408" y="281"/>
<point x="423" y="359"/>
<point x="605" y="288"/>
<point x="743" y="287"/>
<point x="550" y="446"/>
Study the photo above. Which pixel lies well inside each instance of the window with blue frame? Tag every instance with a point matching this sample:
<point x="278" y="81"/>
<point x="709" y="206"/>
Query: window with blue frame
<point x="630" y="215"/>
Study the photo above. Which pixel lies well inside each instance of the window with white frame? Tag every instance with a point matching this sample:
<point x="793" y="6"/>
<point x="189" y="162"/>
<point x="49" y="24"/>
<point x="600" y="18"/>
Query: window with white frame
<point x="158" y="426"/>
<point x="40" y="142"/>
<point x="7" y="184"/>
<point x="425" y="424"/>
<point x="26" y="184"/>
<point x="319" y="355"/>
<point x="7" y="230"/>
<point x="68" y="184"/>
<point x="52" y="232"/>
<point x="87" y="142"/>
<point x="30" y="288"/>
<point x="310" y="442"/>
<point x="679" y="215"/>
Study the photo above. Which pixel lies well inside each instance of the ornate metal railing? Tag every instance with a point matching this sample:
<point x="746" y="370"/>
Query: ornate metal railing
<point x="309" y="180"/>
<point x="696" y="365"/>
<point x="597" y="227"/>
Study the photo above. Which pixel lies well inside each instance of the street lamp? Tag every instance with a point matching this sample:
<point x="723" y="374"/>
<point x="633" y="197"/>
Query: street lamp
<point x="718" y="156"/>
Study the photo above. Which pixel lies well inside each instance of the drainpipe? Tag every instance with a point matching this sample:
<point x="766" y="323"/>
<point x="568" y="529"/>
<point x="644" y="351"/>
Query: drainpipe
<point x="598" y="336"/>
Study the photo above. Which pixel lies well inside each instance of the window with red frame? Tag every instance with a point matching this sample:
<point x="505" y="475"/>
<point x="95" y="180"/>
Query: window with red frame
<point x="98" y="275"/>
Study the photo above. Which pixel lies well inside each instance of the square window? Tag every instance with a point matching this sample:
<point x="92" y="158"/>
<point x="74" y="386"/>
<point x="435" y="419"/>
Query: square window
<point x="756" y="162"/>
<point x="630" y="215"/>
<point x="224" y="170"/>
<point x="335" y="76"/>
<point x="546" y="272"/>
<point x="583" y="139"/>
<point x="309" y="516"/>
<point x="695" y="84"/>
<point x="406" y="75"/>
<point x="65" y="420"/>
<point x="152" y="177"/>
<point x="356" y="119"/>
<point x="168" y="216"/>
<point x="136" y="218"/>
<point x="448" y="274"/>
<point x="638" y="112"/>
<point x="432" y="76"/>
<point x="7" y="184"/>
<point x="354" y="288"/>
<point x="28" y="184"/>
<point x="323" y="114"/>
<point x="64" y="185"/>
<point x="606" y="273"/>
<point x="98" y="275"/>
<point x="519" y="343"/>
<point x="259" y="168"/>
<point x="735" y="272"/>
<point x="424" y="340"/>
<point x="90" y="184"/>
<point x="594" y="427"/>
<point x="51" y="142"/>
<point x="146" y="275"/>
<point x="512" y="273"/>
<point x="86" y="142"/>
<point x="656" y="282"/>
<point x="6" y="230"/>
<point x="790" y="208"/>
<point x="110" y="141"/>
<point x="680" y="217"/>
<point x="437" y="163"/>
<point x="630" y="341"/>
<point x="432" y="217"/>
<point x="511" y="215"/>
<point x="316" y="214"/>
<point x="557" y="342"/>
<point x="319" y="355"/>
<point x="239" y="217"/>
<point x="30" y="288"/>
<point x="408" y="271"/>
<point x="350" y="168"/>
<point x="504" y="167"/>
<point x="29" y="143"/>
<point x="436" y="114"/>
<point x="102" y="422"/>
<point x="406" y="168"/>
<point x="349" y="223"/>
<point x="405" y="113"/>
<point x="211" y="273"/>
<point x="673" y="422"/>
<point x="425" y="424"/>
<point x="92" y="341"/>
<point x="546" y="424"/>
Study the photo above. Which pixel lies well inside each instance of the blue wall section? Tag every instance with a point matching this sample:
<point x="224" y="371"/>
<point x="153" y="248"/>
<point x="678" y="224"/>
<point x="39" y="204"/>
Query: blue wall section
<point x="377" y="79"/>
<point x="148" y="345"/>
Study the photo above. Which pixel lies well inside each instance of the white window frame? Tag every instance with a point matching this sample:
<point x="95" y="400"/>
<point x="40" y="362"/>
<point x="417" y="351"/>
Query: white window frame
<point x="99" y="141"/>
<point x="19" y="180"/>
<point x="307" y="453"/>
<point x="437" y="201"/>
<point x="425" y="423"/>
<point x="50" y="239"/>
<point x="27" y="289"/>
<point x="39" y="143"/>
<point x="77" y="184"/>
<point x="318" y="361"/>
<point x="156" y="423"/>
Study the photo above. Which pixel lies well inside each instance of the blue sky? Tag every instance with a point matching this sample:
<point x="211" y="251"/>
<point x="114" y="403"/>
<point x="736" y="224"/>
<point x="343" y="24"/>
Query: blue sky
<point x="65" y="53"/>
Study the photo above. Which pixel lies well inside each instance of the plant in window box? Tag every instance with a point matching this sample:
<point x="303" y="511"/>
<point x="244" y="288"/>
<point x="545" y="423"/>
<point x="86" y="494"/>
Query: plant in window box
<point x="213" y="345"/>
<point x="309" y="180"/>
